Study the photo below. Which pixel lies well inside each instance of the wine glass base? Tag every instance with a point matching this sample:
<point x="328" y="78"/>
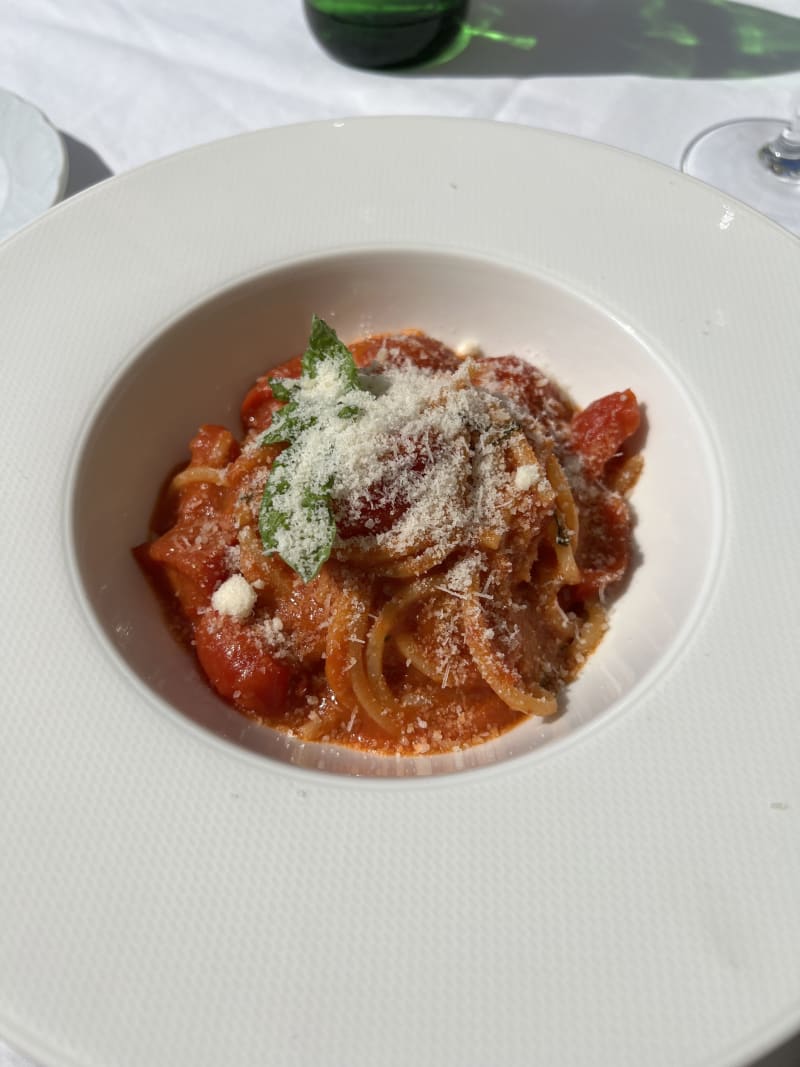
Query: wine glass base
<point x="727" y="157"/>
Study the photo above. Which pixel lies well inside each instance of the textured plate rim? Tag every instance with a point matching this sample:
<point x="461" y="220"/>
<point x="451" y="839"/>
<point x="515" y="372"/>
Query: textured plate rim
<point x="114" y="193"/>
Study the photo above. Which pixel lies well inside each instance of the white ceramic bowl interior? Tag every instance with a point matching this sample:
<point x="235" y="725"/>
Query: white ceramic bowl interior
<point x="197" y="369"/>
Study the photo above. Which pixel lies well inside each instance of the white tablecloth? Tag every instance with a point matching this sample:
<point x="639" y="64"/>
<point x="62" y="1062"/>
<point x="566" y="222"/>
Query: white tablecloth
<point x="129" y="81"/>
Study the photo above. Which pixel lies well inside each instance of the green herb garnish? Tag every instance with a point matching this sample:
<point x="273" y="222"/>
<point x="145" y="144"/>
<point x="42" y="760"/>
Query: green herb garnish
<point x="295" y="519"/>
<point x="325" y="349"/>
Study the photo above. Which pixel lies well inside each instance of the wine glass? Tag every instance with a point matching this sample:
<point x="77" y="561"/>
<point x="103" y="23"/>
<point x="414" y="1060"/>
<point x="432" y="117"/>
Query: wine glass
<point x="754" y="160"/>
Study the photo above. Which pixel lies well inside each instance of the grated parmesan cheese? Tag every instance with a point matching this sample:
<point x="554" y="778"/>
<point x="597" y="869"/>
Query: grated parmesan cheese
<point x="235" y="598"/>
<point x="425" y="447"/>
<point x="526" y="476"/>
<point x="272" y="629"/>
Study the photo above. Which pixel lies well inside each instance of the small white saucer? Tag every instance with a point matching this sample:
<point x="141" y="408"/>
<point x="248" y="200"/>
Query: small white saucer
<point x="33" y="163"/>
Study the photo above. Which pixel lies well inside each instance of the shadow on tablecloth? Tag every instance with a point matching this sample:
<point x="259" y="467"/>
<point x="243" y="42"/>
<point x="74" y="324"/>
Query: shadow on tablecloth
<point x="86" y="168"/>
<point x="661" y="38"/>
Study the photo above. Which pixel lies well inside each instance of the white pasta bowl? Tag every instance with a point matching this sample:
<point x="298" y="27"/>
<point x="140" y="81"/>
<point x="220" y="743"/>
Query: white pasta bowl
<point x="197" y="369"/>
<point x="183" y="887"/>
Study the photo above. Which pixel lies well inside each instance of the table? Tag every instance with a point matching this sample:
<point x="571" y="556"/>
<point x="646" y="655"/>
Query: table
<point x="131" y="81"/>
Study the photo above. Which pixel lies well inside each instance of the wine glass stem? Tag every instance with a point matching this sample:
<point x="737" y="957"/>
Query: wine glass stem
<point x="782" y="155"/>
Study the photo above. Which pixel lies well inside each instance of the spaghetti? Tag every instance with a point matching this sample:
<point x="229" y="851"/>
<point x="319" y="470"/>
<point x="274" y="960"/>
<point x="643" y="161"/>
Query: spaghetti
<point x="407" y="552"/>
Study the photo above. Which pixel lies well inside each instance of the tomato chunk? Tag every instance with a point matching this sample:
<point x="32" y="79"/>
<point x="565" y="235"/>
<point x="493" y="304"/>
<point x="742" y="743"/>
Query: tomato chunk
<point x="403" y="350"/>
<point x="525" y="384"/>
<point x="600" y="430"/>
<point x="213" y="446"/>
<point x="385" y="503"/>
<point x="238" y="666"/>
<point x="192" y="569"/>
<point x="260" y="403"/>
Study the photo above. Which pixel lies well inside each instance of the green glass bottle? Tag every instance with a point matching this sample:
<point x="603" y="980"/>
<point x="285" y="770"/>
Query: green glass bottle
<point x="380" y="34"/>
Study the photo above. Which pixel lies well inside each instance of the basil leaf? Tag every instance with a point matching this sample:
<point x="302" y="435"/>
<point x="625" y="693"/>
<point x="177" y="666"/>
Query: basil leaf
<point x="325" y="347"/>
<point x="282" y="388"/>
<point x="303" y="537"/>
<point x="296" y="520"/>
<point x="287" y="424"/>
<point x="317" y="534"/>
<point x="270" y="518"/>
